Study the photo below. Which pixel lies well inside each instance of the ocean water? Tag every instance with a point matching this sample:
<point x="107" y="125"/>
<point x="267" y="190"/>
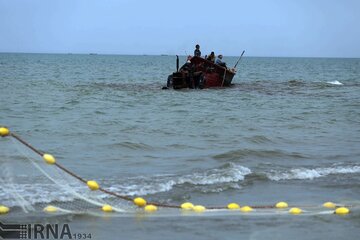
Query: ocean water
<point x="287" y="130"/>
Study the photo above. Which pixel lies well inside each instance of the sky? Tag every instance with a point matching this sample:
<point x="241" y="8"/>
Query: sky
<point x="284" y="28"/>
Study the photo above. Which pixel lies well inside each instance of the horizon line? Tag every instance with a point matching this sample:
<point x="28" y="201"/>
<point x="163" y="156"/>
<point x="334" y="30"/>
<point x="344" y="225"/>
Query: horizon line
<point x="164" y="54"/>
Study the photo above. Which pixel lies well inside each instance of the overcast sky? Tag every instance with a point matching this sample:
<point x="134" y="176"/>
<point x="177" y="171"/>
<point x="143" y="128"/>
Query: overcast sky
<point x="305" y="28"/>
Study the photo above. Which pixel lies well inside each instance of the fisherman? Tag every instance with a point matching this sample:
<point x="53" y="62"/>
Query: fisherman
<point x="197" y="52"/>
<point x="220" y="62"/>
<point x="192" y="77"/>
<point x="188" y="65"/>
<point x="211" y="57"/>
<point x="188" y="69"/>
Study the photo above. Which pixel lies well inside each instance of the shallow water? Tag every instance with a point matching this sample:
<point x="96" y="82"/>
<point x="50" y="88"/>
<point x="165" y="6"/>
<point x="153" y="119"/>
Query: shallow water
<point x="287" y="130"/>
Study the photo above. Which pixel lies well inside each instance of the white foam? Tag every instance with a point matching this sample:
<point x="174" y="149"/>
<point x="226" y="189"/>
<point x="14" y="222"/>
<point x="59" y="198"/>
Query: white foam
<point x="303" y="173"/>
<point x="34" y="193"/>
<point x="152" y="185"/>
<point x="335" y="83"/>
<point x="49" y="192"/>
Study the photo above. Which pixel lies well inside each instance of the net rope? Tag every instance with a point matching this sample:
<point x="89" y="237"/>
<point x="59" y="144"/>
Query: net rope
<point x="76" y="196"/>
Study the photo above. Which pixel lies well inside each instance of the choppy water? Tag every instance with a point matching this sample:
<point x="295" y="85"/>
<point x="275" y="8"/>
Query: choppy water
<point x="288" y="130"/>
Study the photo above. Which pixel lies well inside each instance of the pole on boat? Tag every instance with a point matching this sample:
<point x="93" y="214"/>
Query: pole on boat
<point x="222" y="84"/>
<point x="177" y="63"/>
<point x="239" y="59"/>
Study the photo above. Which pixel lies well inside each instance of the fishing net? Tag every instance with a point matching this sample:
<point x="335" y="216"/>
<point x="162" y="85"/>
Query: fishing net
<point x="31" y="185"/>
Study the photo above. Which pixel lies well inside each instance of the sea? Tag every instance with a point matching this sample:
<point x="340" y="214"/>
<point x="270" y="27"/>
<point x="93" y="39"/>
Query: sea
<point x="288" y="129"/>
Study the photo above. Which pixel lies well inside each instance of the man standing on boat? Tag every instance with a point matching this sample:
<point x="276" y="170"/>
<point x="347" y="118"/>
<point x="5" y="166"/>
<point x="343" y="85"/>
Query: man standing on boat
<point x="197" y="52"/>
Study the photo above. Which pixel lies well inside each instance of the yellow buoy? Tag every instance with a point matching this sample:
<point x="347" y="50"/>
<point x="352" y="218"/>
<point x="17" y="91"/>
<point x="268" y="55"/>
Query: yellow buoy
<point x="4" y="131"/>
<point x="49" y="159"/>
<point x="329" y="205"/>
<point x="140" y="202"/>
<point x="342" y="210"/>
<point x="187" y="206"/>
<point x="295" y="211"/>
<point x="246" y="209"/>
<point x="93" y="185"/>
<point x="199" y="208"/>
<point x="50" y="209"/>
<point x="233" y="206"/>
<point x="107" y="208"/>
<point x="281" y="205"/>
<point x="150" y="208"/>
<point x="4" y="209"/>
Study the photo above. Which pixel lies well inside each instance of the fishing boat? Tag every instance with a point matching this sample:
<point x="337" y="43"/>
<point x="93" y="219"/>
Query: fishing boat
<point x="200" y="73"/>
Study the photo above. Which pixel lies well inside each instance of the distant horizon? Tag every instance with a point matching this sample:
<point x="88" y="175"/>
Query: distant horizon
<point x="163" y="54"/>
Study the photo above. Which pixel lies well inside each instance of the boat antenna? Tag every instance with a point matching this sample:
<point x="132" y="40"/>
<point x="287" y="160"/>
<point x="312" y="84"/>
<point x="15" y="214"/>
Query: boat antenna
<point x="239" y="59"/>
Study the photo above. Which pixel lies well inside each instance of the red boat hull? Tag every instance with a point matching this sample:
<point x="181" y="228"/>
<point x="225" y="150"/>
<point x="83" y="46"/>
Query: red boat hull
<point x="201" y="73"/>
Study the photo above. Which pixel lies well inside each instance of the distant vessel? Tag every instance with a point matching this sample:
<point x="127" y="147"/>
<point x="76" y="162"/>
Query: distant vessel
<point x="200" y="73"/>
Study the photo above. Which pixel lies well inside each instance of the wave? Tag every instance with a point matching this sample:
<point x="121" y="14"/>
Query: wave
<point x="259" y="139"/>
<point x="34" y="193"/>
<point x="335" y="83"/>
<point x="296" y="82"/>
<point x="229" y="173"/>
<point x="227" y="176"/>
<point x="267" y="154"/>
<point x="309" y="174"/>
<point x="132" y="145"/>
